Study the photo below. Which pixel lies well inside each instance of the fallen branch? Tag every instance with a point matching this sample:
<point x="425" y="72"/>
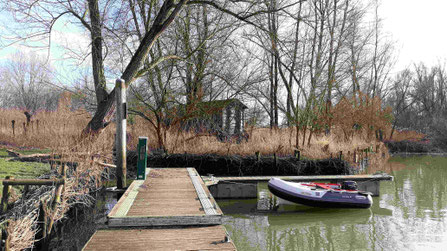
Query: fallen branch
<point x="33" y="158"/>
<point x="105" y="164"/>
<point x="11" y="153"/>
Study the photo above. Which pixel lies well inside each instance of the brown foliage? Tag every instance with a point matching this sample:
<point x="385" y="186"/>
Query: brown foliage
<point x="361" y="115"/>
<point x="60" y="130"/>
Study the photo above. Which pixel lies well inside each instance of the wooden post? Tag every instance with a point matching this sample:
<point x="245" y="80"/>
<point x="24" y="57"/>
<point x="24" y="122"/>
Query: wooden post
<point x="26" y="189"/>
<point x="297" y="154"/>
<point x="5" y="195"/>
<point x="121" y="114"/>
<point x="3" y="209"/>
<point x="42" y="229"/>
<point x="56" y="200"/>
<point x="4" y="241"/>
<point x="341" y="155"/>
<point x="63" y="170"/>
<point x="142" y="158"/>
<point x="13" y="127"/>
<point x="258" y="156"/>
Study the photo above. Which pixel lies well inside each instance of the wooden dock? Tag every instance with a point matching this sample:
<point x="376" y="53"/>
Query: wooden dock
<point x="326" y="178"/>
<point x="246" y="187"/>
<point x="171" y="210"/>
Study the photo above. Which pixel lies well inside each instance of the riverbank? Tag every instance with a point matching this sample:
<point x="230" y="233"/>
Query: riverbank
<point x="423" y="146"/>
<point x="237" y="165"/>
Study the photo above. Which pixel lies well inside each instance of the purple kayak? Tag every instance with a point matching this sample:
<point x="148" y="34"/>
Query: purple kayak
<point x="320" y="194"/>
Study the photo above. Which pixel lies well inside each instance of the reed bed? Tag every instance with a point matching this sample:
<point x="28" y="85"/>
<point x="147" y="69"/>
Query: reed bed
<point x="61" y="130"/>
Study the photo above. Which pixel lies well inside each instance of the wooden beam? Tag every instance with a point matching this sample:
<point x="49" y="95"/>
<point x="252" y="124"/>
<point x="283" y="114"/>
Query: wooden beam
<point x="165" y="221"/>
<point x="33" y="182"/>
<point x="378" y="177"/>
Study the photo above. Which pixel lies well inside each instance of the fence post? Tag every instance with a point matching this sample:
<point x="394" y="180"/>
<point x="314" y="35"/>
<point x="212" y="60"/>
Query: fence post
<point x="56" y="200"/>
<point x="5" y="196"/>
<point x="42" y="223"/>
<point x="3" y="209"/>
<point x="297" y="154"/>
<point x="13" y="127"/>
<point x="258" y="156"/>
<point x="5" y="242"/>
<point x="142" y="158"/>
<point x="121" y="115"/>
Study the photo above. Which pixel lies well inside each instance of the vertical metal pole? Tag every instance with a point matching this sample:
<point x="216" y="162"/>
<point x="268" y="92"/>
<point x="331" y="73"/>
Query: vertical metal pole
<point x="142" y="158"/>
<point x="121" y="115"/>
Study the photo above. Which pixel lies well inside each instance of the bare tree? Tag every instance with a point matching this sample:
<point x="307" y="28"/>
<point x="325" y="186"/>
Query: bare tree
<point x="400" y="98"/>
<point x="27" y="82"/>
<point x="98" y="17"/>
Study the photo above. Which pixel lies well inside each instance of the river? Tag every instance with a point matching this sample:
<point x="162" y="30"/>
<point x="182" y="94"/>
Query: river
<point x="410" y="214"/>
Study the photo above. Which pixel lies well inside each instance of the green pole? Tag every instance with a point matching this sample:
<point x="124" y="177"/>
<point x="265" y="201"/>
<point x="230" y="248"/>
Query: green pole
<point x="142" y="158"/>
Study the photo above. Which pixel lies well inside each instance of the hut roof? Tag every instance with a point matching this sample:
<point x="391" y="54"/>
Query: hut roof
<point x="207" y="108"/>
<point x="220" y="104"/>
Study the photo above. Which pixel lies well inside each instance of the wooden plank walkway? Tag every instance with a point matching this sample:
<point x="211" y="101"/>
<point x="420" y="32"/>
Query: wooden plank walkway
<point x="167" y="197"/>
<point x="196" y="238"/>
<point x="171" y="210"/>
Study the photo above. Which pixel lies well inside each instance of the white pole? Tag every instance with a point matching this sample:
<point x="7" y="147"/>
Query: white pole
<point x="121" y="123"/>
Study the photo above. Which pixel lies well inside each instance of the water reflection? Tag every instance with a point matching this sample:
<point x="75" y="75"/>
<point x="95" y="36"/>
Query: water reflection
<point x="410" y="214"/>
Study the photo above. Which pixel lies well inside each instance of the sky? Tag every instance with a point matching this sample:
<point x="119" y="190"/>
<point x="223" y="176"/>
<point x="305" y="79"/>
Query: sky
<point x="419" y="29"/>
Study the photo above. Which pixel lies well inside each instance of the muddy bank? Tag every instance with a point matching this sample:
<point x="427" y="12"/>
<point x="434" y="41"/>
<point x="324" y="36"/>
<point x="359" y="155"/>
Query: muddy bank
<point x="245" y="165"/>
<point x="81" y="222"/>
<point x="408" y="146"/>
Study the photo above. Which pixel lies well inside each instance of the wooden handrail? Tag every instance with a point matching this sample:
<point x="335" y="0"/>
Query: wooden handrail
<point x="33" y="182"/>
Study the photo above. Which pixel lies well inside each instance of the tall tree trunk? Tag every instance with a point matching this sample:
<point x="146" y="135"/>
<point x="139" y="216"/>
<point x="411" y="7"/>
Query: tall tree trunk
<point x="97" y="57"/>
<point x="105" y="102"/>
<point x="106" y="106"/>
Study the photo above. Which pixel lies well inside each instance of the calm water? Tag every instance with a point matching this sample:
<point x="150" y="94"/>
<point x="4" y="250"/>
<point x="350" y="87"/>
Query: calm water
<point x="410" y="214"/>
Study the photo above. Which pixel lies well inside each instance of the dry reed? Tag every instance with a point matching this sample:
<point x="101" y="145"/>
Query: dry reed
<point x="22" y="232"/>
<point x="79" y="184"/>
<point x="61" y="129"/>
